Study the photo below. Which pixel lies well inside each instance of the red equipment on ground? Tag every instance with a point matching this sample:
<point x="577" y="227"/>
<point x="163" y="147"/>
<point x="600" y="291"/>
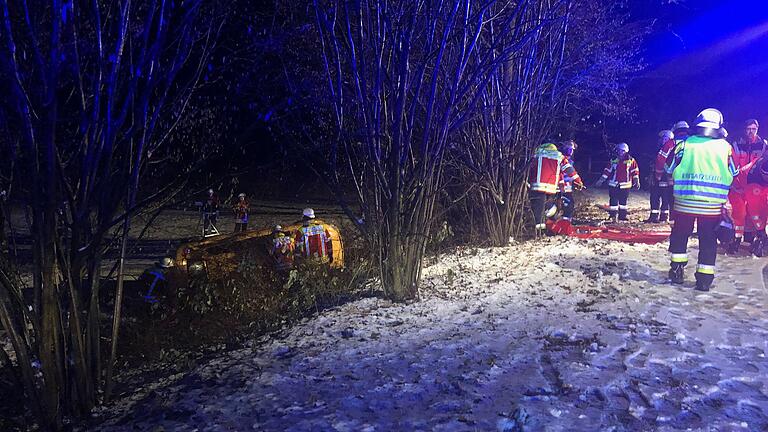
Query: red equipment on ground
<point x="608" y="232"/>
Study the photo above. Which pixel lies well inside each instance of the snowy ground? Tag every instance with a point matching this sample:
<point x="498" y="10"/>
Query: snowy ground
<point x="554" y="334"/>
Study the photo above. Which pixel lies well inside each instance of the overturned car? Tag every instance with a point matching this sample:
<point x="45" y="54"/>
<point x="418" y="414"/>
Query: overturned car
<point x="216" y="257"/>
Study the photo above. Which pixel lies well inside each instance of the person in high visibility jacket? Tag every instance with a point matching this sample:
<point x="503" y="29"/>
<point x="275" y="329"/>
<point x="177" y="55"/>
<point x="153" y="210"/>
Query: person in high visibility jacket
<point x="703" y="169"/>
<point x="622" y="174"/>
<point x="545" y="176"/>
<point x="313" y="239"/>
<point x="570" y="181"/>
<point x="752" y="187"/>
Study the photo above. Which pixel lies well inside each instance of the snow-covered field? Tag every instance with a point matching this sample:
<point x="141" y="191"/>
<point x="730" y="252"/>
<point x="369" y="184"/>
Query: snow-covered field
<point x="554" y="334"/>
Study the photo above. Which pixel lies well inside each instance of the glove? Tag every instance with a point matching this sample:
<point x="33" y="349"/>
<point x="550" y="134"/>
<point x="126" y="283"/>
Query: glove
<point x="725" y="233"/>
<point x="636" y="184"/>
<point x="579" y="186"/>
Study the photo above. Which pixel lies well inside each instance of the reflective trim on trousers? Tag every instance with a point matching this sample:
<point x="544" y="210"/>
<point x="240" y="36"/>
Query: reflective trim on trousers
<point x="679" y="258"/>
<point x="654" y="211"/>
<point x="705" y="269"/>
<point x="613" y="208"/>
<point x="622" y="207"/>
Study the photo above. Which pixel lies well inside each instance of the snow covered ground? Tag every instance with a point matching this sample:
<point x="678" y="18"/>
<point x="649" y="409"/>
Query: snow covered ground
<point x="554" y="334"/>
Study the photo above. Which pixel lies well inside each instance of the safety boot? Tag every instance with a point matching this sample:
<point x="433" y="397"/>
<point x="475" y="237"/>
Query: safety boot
<point x="613" y="218"/>
<point x="653" y="218"/>
<point x="759" y="245"/>
<point x="676" y="275"/>
<point x="623" y="215"/>
<point x="733" y="246"/>
<point x="664" y="216"/>
<point x="749" y="236"/>
<point x="703" y="281"/>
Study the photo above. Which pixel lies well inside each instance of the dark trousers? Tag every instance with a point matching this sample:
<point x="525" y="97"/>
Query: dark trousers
<point x="617" y="200"/>
<point x="661" y="198"/>
<point x="707" y="232"/>
<point x="538" y="199"/>
<point x="241" y="227"/>
<point x="568" y="205"/>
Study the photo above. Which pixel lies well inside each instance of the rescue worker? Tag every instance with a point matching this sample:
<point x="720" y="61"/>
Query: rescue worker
<point x="752" y="184"/>
<point x="313" y="239"/>
<point x="544" y="178"/>
<point x="703" y="169"/>
<point x="663" y="181"/>
<point x="749" y="147"/>
<point x="155" y="280"/>
<point x="281" y="249"/>
<point x="571" y="181"/>
<point x="746" y="149"/>
<point x="659" y="183"/>
<point x="210" y="211"/>
<point x="241" y="209"/>
<point x="622" y="174"/>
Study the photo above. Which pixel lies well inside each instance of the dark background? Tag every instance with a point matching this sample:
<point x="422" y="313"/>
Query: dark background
<point x="700" y="54"/>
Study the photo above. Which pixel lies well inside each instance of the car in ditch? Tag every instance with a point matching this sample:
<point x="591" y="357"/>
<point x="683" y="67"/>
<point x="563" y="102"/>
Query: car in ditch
<point x="215" y="257"/>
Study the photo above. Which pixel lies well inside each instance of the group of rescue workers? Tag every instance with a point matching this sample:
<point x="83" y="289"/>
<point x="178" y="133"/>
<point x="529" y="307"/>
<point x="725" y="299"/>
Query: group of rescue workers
<point x="699" y="179"/>
<point x="312" y="240"/>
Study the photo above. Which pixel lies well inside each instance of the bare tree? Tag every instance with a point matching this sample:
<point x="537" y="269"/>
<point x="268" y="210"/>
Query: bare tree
<point x="402" y="78"/>
<point x="95" y="89"/>
<point x="579" y="60"/>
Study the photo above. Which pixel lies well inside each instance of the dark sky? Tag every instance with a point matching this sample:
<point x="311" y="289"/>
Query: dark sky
<point x="702" y="54"/>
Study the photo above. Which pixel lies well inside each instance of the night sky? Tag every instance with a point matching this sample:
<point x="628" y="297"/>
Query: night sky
<point x="702" y="54"/>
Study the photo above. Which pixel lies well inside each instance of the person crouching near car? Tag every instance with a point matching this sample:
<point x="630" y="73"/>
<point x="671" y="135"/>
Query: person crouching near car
<point x="281" y="249"/>
<point x="313" y="240"/>
<point x="622" y="174"/>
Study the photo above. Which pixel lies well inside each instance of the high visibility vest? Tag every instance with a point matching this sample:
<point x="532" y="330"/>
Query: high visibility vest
<point x="546" y="169"/>
<point x="703" y="177"/>
<point x="313" y="240"/>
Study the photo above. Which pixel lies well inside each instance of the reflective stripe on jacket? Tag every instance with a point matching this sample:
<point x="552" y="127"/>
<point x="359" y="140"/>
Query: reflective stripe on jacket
<point x="621" y="173"/>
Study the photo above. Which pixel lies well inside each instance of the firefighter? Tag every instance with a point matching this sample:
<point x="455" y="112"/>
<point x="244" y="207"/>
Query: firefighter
<point x="313" y="239"/>
<point x="545" y="177"/>
<point x="210" y="212"/>
<point x="663" y="181"/>
<point x="703" y="169"/>
<point x="241" y="209"/>
<point x="570" y="182"/>
<point x="659" y="182"/>
<point x="752" y="184"/>
<point x="749" y="147"/>
<point x="622" y="174"/>
<point x="281" y="249"/>
<point x="746" y="150"/>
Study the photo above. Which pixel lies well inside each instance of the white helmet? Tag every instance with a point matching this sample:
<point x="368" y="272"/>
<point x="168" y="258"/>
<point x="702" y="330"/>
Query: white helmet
<point x="710" y="118"/>
<point x="210" y="191"/>
<point x="622" y="146"/>
<point x="308" y="213"/>
<point x="667" y="134"/>
<point x="680" y="125"/>
<point x="241" y="195"/>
